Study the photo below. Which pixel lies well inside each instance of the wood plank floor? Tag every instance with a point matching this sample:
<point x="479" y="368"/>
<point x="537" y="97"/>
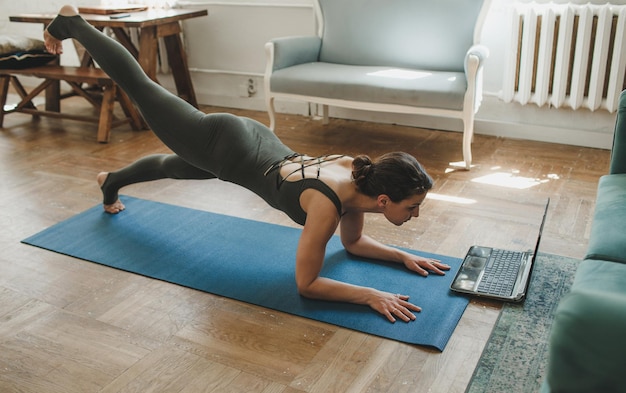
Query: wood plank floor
<point x="73" y="326"/>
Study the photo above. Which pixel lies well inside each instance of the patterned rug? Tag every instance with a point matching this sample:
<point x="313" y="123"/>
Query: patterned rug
<point x="515" y="357"/>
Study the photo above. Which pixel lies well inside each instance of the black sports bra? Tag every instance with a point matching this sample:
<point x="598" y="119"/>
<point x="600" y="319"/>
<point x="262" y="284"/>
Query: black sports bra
<point x="290" y="191"/>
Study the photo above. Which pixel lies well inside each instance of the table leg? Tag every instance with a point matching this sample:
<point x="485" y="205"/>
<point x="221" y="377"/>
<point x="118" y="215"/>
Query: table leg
<point x="53" y="93"/>
<point x="148" y="41"/>
<point x="180" y="70"/>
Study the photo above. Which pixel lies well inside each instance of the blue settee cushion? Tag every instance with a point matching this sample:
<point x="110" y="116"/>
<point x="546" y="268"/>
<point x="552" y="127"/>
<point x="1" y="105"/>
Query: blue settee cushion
<point x="17" y="52"/>
<point x="416" y="37"/>
<point x="608" y="231"/>
<point x="602" y="276"/>
<point x="383" y="85"/>
<point x="587" y="343"/>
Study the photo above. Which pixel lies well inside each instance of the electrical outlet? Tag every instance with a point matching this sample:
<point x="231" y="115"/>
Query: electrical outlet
<point x="251" y="87"/>
<point x="247" y="88"/>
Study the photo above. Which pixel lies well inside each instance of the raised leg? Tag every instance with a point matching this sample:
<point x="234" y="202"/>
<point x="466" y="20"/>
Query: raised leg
<point x="172" y="119"/>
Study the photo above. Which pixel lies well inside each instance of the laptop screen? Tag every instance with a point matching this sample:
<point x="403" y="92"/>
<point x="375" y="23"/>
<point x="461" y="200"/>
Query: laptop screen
<point x="543" y="221"/>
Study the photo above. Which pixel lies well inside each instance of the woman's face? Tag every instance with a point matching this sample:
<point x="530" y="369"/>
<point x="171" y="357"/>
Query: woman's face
<point x="400" y="212"/>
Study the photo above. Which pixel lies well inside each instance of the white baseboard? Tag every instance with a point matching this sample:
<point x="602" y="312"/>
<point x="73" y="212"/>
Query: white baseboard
<point x="495" y="118"/>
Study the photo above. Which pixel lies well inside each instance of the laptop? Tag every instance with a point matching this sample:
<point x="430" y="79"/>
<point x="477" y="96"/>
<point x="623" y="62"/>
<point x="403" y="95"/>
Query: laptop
<point x="497" y="273"/>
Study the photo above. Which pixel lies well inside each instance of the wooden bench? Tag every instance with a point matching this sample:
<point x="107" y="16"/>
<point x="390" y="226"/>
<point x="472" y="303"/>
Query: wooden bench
<point x="91" y="83"/>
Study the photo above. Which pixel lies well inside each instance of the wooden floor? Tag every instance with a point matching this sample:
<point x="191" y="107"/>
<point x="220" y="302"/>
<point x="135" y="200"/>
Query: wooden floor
<point x="71" y="326"/>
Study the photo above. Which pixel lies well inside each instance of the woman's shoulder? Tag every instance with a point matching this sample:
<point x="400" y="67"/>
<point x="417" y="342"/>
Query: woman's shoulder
<point x="340" y="159"/>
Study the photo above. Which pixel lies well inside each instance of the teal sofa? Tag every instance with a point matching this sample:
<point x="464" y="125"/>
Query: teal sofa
<point x="587" y="349"/>
<point x="401" y="56"/>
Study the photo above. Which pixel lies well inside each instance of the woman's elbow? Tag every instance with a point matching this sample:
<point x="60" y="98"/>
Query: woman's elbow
<point x="349" y="246"/>
<point x="305" y="288"/>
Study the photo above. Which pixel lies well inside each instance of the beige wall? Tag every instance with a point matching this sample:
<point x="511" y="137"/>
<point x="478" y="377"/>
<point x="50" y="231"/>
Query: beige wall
<point x="226" y="50"/>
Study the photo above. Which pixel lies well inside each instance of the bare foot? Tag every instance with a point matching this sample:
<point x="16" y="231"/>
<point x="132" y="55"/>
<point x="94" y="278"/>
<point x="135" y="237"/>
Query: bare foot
<point x="68" y="10"/>
<point x="116" y="206"/>
<point x="54" y="45"/>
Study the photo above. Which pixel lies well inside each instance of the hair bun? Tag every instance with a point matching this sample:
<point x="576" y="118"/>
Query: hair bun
<point x="362" y="160"/>
<point x="362" y="168"/>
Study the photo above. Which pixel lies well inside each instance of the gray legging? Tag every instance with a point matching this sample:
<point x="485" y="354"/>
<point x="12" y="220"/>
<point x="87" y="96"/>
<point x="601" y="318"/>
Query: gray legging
<point x="232" y="148"/>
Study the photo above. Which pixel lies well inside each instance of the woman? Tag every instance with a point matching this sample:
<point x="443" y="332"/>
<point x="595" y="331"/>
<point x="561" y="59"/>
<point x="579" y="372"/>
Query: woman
<point x="320" y="193"/>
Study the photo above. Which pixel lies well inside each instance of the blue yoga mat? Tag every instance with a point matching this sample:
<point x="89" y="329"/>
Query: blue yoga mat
<point x="253" y="262"/>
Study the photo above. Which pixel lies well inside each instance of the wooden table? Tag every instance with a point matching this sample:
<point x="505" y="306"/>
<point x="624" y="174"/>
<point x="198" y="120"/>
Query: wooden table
<point x="153" y="24"/>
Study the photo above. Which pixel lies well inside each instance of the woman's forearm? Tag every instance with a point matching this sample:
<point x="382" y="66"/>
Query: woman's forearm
<point x="328" y="289"/>
<point x="367" y="247"/>
<point x="392" y="306"/>
<point x="370" y="248"/>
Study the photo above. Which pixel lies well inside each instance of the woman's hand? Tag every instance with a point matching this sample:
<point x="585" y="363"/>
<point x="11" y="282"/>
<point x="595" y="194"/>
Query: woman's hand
<point x="393" y="306"/>
<point x="422" y="265"/>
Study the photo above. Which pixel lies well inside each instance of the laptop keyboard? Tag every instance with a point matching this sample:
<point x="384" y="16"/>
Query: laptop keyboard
<point x="501" y="272"/>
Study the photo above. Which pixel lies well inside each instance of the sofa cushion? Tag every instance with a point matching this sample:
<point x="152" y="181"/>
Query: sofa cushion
<point x="384" y="85"/>
<point x="603" y="276"/>
<point x="17" y="52"/>
<point x="587" y="343"/>
<point x="618" y="150"/>
<point x="608" y="231"/>
<point x="407" y="34"/>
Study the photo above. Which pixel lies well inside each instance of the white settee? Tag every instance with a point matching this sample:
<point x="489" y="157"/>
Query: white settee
<point x="401" y="56"/>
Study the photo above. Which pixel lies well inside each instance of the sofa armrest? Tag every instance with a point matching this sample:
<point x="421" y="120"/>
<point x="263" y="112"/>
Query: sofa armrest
<point x="618" y="152"/>
<point x="587" y="346"/>
<point x="289" y="51"/>
<point x="481" y="52"/>
<point x="474" y="60"/>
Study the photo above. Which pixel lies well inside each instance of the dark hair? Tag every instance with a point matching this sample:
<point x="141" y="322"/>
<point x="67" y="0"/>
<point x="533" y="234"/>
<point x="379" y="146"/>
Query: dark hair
<point x="398" y="175"/>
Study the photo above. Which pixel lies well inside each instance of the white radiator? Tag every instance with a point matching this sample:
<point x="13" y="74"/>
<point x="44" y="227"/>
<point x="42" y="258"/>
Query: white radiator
<point x="566" y="55"/>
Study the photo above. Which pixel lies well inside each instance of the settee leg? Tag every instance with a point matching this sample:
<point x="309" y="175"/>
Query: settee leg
<point x="468" y="136"/>
<point x="325" y="119"/>
<point x="269" y="101"/>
